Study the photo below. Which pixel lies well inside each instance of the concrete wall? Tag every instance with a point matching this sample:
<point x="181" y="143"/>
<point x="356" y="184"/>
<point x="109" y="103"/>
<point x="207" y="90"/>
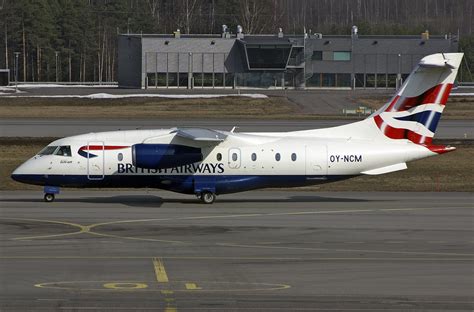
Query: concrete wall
<point x="375" y="55"/>
<point x="186" y="55"/>
<point x="139" y="55"/>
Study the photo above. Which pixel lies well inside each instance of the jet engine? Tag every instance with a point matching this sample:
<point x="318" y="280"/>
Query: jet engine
<point x="162" y="156"/>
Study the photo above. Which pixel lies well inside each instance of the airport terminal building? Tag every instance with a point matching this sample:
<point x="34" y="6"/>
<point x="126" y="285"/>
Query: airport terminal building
<point x="275" y="61"/>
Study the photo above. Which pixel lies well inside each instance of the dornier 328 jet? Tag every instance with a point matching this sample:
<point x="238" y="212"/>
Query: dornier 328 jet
<point x="208" y="162"/>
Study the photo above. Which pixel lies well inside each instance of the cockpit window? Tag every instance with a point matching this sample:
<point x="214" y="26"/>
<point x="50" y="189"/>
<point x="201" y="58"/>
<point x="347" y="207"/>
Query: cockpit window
<point x="63" y="151"/>
<point x="48" y="150"/>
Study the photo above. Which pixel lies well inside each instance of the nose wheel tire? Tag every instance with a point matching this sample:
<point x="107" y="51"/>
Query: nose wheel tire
<point x="207" y="197"/>
<point x="48" y="197"/>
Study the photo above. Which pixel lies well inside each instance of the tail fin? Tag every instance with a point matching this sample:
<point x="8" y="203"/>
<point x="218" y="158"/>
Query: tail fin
<point x="413" y="113"/>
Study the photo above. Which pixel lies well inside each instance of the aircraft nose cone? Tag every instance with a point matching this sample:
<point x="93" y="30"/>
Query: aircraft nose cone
<point x="18" y="178"/>
<point x="18" y="174"/>
<point x="24" y="174"/>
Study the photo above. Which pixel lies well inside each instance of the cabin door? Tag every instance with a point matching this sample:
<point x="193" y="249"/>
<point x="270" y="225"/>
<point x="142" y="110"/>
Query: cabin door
<point x="95" y="160"/>
<point x="316" y="160"/>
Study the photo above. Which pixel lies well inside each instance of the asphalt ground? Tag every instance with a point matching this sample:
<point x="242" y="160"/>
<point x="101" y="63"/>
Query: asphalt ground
<point x="254" y="251"/>
<point x="447" y="129"/>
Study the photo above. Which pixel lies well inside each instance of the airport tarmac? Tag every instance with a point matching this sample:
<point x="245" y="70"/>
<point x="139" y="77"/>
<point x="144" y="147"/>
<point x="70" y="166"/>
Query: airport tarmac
<point x="447" y="129"/>
<point x="263" y="250"/>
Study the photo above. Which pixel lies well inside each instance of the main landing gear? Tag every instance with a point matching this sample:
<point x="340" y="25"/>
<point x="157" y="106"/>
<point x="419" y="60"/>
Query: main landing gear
<point x="48" y="197"/>
<point x="207" y="197"/>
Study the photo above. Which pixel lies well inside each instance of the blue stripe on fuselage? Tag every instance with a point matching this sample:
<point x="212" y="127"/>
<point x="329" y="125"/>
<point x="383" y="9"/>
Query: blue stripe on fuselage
<point x="180" y="183"/>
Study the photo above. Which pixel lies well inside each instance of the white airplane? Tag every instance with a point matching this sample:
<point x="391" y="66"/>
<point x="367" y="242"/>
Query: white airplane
<point x="208" y="162"/>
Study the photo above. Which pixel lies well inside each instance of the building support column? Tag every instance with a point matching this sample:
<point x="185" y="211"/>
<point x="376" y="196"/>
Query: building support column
<point x="190" y="70"/>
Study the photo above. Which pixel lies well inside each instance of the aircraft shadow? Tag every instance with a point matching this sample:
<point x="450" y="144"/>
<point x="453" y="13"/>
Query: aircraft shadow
<point x="157" y="201"/>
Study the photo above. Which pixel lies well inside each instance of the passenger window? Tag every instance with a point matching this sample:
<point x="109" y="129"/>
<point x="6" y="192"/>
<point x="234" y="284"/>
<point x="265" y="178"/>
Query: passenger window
<point x="293" y="157"/>
<point x="219" y="156"/>
<point x="277" y="156"/>
<point x="120" y="156"/>
<point x="254" y="157"/>
<point x="234" y="156"/>
<point x="63" y="151"/>
<point x="48" y="150"/>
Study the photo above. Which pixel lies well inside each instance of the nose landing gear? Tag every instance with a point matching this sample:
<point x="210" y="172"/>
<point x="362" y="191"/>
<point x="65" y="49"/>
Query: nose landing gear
<point x="49" y="192"/>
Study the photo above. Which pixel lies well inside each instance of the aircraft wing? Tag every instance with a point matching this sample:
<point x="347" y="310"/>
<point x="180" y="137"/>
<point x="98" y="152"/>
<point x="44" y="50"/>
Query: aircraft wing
<point x="200" y="134"/>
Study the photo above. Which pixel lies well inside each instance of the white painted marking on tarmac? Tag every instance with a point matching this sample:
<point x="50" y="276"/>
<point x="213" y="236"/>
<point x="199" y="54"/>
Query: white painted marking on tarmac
<point x="52" y="299"/>
<point x="397" y="209"/>
<point x="348" y="250"/>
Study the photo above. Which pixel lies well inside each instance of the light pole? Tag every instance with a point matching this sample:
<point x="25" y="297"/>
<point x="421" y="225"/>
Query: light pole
<point x="17" y="54"/>
<point x="57" y="56"/>
<point x="399" y="76"/>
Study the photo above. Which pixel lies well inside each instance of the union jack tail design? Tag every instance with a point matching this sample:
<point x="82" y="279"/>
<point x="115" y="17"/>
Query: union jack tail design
<point x="414" y="112"/>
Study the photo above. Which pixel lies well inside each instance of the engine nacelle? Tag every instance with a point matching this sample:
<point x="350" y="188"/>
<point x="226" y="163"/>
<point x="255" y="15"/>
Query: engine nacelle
<point x="162" y="156"/>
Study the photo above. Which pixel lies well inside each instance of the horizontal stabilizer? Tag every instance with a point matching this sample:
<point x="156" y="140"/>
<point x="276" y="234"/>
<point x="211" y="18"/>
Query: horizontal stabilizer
<point x="200" y="134"/>
<point x="437" y="60"/>
<point x="387" y="169"/>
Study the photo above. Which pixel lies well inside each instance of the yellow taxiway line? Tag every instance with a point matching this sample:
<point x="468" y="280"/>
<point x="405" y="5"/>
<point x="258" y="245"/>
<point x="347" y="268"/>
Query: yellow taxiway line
<point x="160" y="271"/>
<point x="162" y="277"/>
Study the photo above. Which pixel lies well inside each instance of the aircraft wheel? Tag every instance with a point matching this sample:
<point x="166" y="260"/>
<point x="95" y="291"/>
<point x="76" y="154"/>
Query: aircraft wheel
<point x="208" y="197"/>
<point x="48" y="197"/>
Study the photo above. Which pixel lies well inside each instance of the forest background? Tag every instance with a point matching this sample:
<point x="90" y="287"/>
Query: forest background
<point x="81" y="35"/>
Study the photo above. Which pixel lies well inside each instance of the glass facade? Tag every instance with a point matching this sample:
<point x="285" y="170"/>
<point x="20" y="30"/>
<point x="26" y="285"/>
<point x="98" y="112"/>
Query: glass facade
<point x="229" y="80"/>
<point x="370" y="80"/>
<point x="317" y="56"/>
<point x="218" y="80"/>
<point x="261" y="79"/>
<point x="208" y="80"/>
<point x="359" y="80"/>
<point x="381" y="81"/>
<point x="290" y="65"/>
<point x="267" y="56"/>
<point x="183" y="79"/>
<point x="343" y="80"/>
<point x="314" y="80"/>
<point x="329" y="80"/>
<point x="172" y="79"/>
<point x="199" y="80"/>
<point x="342" y="56"/>
<point x="391" y="81"/>
<point x="161" y="80"/>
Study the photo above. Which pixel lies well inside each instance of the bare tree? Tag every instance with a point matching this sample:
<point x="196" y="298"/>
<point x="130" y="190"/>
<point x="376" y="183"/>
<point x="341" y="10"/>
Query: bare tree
<point x="189" y="6"/>
<point x="153" y="5"/>
<point x="6" y="46"/>
<point x="250" y="15"/>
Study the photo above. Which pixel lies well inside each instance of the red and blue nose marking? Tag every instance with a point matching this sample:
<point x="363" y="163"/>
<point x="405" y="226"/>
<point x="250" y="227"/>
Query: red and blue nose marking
<point x="85" y="151"/>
